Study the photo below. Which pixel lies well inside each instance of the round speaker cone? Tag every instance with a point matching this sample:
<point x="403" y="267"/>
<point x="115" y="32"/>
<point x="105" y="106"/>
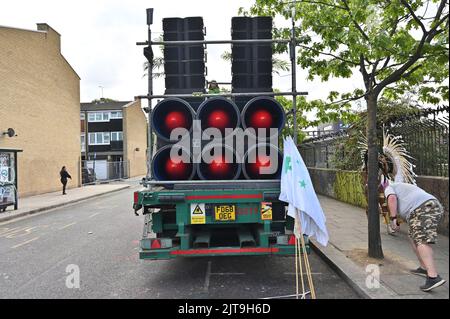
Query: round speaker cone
<point x="219" y="119"/>
<point x="261" y="119"/>
<point x="175" y="119"/>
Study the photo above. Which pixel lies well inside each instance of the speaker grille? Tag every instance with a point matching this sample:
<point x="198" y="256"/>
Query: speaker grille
<point x="184" y="65"/>
<point x="251" y="63"/>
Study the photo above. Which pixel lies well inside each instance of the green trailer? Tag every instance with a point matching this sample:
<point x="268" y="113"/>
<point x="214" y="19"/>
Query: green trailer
<point x="214" y="219"/>
<point x="188" y="216"/>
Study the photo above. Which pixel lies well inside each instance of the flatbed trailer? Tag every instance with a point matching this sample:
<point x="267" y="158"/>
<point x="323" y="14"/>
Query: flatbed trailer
<point x="214" y="219"/>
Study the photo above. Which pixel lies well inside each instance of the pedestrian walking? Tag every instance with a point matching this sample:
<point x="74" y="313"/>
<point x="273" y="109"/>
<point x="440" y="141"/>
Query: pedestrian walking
<point x="422" y="211"/>
<point x="64" y="176"/>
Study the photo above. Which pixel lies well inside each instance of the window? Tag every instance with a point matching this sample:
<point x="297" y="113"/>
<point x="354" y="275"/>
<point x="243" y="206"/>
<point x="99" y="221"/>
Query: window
<point x="83" y="142"/>
<point x="82" y="116"/>
<point x="98" y="116"/>
<point x="116" y="115"/>
<point x="116" y="136"/>
<point x="99" y="138"/>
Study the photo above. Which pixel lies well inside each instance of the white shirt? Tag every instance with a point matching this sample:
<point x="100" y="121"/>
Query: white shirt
<point x="409" y="197"/>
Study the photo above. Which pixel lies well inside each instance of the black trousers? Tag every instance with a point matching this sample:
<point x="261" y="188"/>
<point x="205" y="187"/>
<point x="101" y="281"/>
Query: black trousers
<point x="64" y="186"/>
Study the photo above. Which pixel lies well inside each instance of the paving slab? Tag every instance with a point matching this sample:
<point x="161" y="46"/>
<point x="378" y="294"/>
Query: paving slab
<point x="347" y="254"/>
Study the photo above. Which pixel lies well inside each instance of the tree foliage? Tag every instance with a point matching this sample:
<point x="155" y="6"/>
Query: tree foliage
<point x="103" y="100"/>
<point x="277" y="63"/>
<point x="398" y="46"/>
<point x="304" y="109"/>
<point x="157" y="63"/>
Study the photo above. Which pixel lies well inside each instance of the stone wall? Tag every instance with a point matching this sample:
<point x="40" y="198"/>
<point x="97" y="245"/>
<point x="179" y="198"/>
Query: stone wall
<point x="347" y="186"/>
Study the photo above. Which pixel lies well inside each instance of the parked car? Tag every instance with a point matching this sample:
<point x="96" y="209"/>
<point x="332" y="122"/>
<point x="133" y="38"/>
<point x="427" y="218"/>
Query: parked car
<point x="88" y="175"/>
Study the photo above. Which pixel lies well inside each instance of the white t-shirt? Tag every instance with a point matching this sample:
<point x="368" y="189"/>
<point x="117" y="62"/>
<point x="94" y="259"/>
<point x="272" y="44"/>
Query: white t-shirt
<point x="409" y="197"/>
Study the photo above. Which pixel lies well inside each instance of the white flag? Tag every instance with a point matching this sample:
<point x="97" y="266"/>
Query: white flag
<point x="298" y="191"/>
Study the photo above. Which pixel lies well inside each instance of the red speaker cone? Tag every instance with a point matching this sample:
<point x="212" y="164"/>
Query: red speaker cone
<point x="175" y="119"/>
<point x="219" y="167"/>
<point x="261" y="119"/>
<point x="261" y="161"/>
<point x="219" y="119"/>
<point x="176" y="170"/>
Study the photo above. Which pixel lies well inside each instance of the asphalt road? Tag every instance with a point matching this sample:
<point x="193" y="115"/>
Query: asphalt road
<point x="100" y="238"/>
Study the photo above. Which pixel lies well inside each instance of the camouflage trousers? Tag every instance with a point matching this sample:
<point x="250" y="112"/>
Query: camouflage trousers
<point x="424" y="221"/>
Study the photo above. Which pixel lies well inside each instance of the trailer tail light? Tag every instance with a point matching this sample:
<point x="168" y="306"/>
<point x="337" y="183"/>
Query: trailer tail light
<point x="156" y="244"/>
<point x="291" y="240"/>
<point x="136" y="197"/>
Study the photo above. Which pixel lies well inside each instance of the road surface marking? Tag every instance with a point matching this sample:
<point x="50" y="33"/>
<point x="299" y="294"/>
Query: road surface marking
<point x="25" y="242"/>
<point x="18" y="232"/>
<point x="94" y="215"/>
<point x="6" y="230"/>
<point x="208" y="275"/>
<point x="227" y="273"/>
<point x="68" y="225"/>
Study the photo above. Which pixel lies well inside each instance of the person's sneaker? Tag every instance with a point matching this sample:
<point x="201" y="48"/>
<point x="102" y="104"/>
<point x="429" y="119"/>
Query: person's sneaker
<point x="419" y="271"/>
<point x="432" y="283"/>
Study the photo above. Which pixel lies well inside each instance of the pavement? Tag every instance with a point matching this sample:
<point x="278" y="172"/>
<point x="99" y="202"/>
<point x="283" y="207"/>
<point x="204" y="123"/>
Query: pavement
<point x="347" y="254"/>
<point x="43" y="202"/>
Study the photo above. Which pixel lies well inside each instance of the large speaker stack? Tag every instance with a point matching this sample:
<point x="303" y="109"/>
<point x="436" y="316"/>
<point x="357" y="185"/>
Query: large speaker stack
<point x="184" y="64"/>
<point x="184" y="69"/>
<point x="251" y="64"/>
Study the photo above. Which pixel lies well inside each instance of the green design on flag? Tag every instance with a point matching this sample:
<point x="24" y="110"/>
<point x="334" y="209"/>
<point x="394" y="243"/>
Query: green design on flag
<point x="287" y="164"/>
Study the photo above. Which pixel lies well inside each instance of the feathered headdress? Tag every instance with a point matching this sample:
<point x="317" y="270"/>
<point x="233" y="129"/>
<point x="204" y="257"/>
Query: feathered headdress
<point x="395" y="151"/>
<point x="394" y="161"/>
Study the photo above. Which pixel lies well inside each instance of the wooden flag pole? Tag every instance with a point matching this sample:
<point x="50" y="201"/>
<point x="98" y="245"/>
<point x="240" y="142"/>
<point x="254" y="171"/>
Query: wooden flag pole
<point x="307" y="265"/>
<point x="298" y="254"/>
<point x="296" y="270"/>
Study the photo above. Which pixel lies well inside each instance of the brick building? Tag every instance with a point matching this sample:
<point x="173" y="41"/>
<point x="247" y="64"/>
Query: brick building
<point x="40" y="100"/>
<point x="114" y="134"/>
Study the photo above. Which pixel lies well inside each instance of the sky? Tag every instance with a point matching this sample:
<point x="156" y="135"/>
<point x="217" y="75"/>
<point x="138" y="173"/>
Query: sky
<point x="98" y="38"/>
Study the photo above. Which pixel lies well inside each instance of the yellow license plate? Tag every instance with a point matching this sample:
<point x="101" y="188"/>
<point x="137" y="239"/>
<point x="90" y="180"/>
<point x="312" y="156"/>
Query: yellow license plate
<point x="225" y="212"/>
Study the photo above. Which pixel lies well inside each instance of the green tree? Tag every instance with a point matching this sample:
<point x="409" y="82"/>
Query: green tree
<point x="103" y="100"/>
<point x="397" y="46"/>
<point x="157" y="63"/>
<point x="322" y="115"/>
<point x="277" y="63"/>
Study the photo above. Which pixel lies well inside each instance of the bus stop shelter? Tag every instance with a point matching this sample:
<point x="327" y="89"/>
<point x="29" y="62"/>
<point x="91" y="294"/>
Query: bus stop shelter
<point x="8" y="178"/>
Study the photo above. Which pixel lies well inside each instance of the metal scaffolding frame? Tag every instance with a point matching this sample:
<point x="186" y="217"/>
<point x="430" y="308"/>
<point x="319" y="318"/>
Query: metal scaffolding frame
<point x="292" y="44"/>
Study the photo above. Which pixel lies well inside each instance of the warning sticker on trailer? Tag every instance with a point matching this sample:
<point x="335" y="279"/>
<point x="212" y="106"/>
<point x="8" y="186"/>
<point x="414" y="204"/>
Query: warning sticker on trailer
<point x="198" y="215"/>
<point x="266" y="211"/>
